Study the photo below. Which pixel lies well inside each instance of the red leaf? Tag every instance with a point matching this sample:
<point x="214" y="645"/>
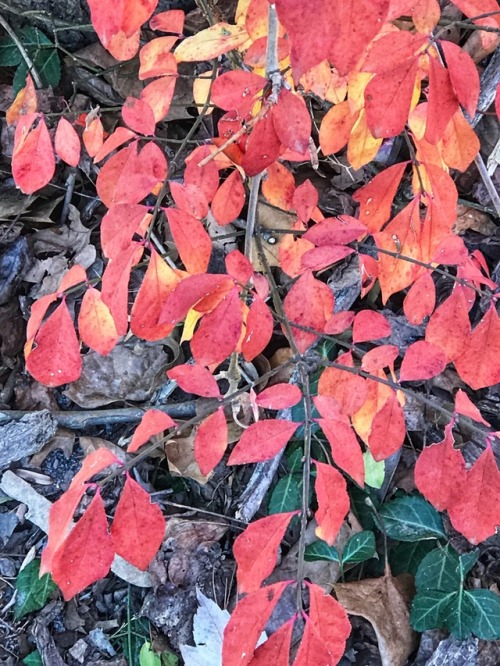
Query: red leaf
<point x="138" y="526"/>
<point x="380" y="357"/>
<point x="422" y="360"/>
<point x="370" y="325"/>
<point x="236" y="91"/>
<point x="128" y="176"/>
<point x="256" y="550"/>
<point x="319" y="258"/>
<point x="206" y="177"/>
<point x="159" y="281"/>
<point x="61" y="512"/>
<point x="339" y="322"/>
<point x="189" y="198"/>
<point x="95" y="323"/>
<point x="152" y="423"/>
<point x="195" y="379"/>
<point x="159" y="94"/>
<point x="239" y="267"/>
<point x="263" y="147"/>
<point x="86" y="554"/>
<point x="464" y="405"/>
<point x="442" y="102"/>
<point x="93" y="135"/>
<point x="346" y="452"/>
<point x="335" y="231"/>
<point x="115" y="279"/>
<point x="56" y="358"/>
<point x="67" y="142"/>
<point x="440" y="472"/>
<point x="120" y="136"/>
<point x="449" y="327"/>
<point x="33" y="162"/>
<point x="259" y="329"/>
<point x="312" y="649"/>
<point x="388" y="97"/>
<point x="308" y="303"/>
<point x="191" y="239"/>
<point x="156" y="58"/>
<point x="276" y="650"/>
<point x="247" y="623"/>
<point x="119" y="225"/>
<point x="262" y="441"/>
<point x="420" y="300"/>
<point x="305" y="200"/>
<point x="139" y="116"/>
<point x="333" y="502"/>
<point x="463" y="75"/>
<point x="376" y="198"/>
<point x="388" y="429"/>
<point x="279" y="396"/>
<point x="292" y="121"/>
<point x="191" y="291"/>
<point x="346" y="388"/>
<point x="330" y="623"/>
<point x="211" y="441"/>
<point x="229" y="199"/>
<point x="475" y="511"/>
<point x="479" y="365"/>
<point x="219" y="332"/>
<point x="169" y="21"/>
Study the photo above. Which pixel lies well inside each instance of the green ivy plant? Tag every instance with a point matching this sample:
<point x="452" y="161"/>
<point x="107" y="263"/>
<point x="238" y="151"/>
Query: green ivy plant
<point x="40" y="49"/>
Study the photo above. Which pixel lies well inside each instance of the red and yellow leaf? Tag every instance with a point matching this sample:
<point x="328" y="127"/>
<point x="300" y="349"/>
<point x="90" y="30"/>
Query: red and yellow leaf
<point x="333" y="502"/>
<point x="388" y="429"/>
<point x="96" y="325"/>
<point x="33" y="162"/>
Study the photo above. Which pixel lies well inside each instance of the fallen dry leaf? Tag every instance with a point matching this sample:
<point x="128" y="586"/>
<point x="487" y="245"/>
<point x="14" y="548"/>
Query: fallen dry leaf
<point x="384" y="602"/>
<point x="181" y="461"/>
<point x="472" y="218"/>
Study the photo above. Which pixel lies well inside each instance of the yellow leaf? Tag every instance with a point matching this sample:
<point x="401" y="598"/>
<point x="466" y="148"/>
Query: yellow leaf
<point x="211" y="43"/>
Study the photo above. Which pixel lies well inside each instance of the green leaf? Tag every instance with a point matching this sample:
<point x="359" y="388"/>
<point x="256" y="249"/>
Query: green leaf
<point x="406" y="556"/>
<point x="374" y="471"/>
<point x="294" y="459"/>
<point x="286" y="495"/>
<point x="486" y="623"/>
<point x="43" y="55"/>
<point x="10" y="56"/>
<point x="20" y="74"/>
<point x="467" y="561"/>
<point x="439" y="570"/>
<point x="33" y="659"/>
<point x="320" y="550"/>
<point x="32" y="591"/>
<point x="412" y="518"/>
<point x="359" y="548"/>
<point x="461" y="615"/>
<point x="430" y="609"/>
<point x="48" y="66"/>
<point x="147" y="657"/>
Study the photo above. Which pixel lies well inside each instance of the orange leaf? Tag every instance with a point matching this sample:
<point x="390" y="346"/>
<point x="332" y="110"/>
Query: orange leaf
<point x="152" y="423"/>
<point x="159" y="94"/>
<point x="191" y="239"/>
<point x="309" y="303"/>
<point x="348" y="389"/>
<point x="279" y="396"/>
<point x="156" y="58"/>
<point x="95" y="323"/>
<point x="138" y="526"/>
<point x="219" y="332"/>
<point x="120" y="136"/>
<point x="460" y="143"/>
<point x="211" y="43"/>
<point x="256" y="550"/>
<point x="247" y="623"/>
<point x="479" y="365"/>
<point x="422" y="360"/>
<point x="67" y="142"/>
<point x="211" y="441"/>
<point x="229" y="199"/>
<point x="440" y="472"/>
<point x="388" y="429"/>
<point x="426" y="14"/>
<point x="169" y="21"/>
<point x="362" y="145"/>
<point x="25" y="103"/>
<point x="333" y="502"/>
<point x="56" y="358"/>
<point x="128" y="176"/>
<point x="279" y="186"/>
<point x="139" y="116"/>
<point x="262" y="441"/>
<point x="376" y="198"/>
<point x="449" y="327"/>
<point x="336" y="127"/>
<point x="33" y="162"/>
<point x="86" y="554"/>
<point x="93" y="135"/>
<point x="195" y="379"/>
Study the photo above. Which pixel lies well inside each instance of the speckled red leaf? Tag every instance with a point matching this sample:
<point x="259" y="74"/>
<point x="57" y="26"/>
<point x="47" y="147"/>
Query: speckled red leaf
<point x="370" y="325"/>
<point x="229" y="199"/>
<point x="479" y="365"/>
<point x="333" y="502"/>
<point x="422" y="360"/>
<point x="420" y="300"/>
<point x="388" y="429"/>
<point x="33" y="162"/>
<point x="292" y="121"/>
<point x="465" y="406"/>
<point x="139" y="116"/>
<point x="276" y="650"/>
<point x="259" y="329"/>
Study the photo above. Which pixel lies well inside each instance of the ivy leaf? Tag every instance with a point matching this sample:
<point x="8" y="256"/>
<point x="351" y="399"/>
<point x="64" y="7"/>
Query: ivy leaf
<point x="32" y="591"/>
<point x="360" y="547"/>
<point x="286" y="494"/>
<point x="33" y="659"/>
<point x="411" y="518"/>
<point x="320" y="550"/>
<point x="430" y="609"/>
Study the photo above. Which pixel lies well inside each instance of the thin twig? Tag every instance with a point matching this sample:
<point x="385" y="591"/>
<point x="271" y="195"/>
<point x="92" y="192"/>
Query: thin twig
<point x="306" y="479"/>
<point x="488" y="183"/>
<point x="252" y="214"/>
<point x="20" y="46"/>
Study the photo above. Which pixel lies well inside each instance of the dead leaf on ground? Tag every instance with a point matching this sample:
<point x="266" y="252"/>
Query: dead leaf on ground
<point x="384" y="602"/>
<point x="472" y="218"/>
<point x="270" y="218"/>
<point x="72" y="236"/>
<point x="91" y="444"/>
<point x="181" y="461"/>
<point x="12" y="329"/>
<point x="131" y="372"/>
